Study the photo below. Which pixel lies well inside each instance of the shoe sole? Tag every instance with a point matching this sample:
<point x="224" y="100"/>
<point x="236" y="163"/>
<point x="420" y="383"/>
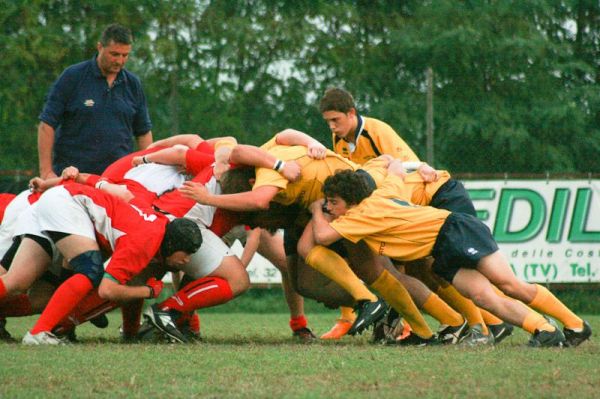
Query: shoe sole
<point x="149" y="316"/>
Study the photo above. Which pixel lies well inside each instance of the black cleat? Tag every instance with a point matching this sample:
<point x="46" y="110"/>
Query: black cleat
<point x="574" y="338"/>
<point x="367" y="313"/>
<point x="385" y="328"/>
<point x="543" y="339"/>
<point x="501" y="331"/>
<point x="476" y="337"/>
<point x="304" y="334"/>
<point x="451" y="335"/>
<point x="414" y="340"/>
<point x="100" y="321"/>
<point x="4" y="334"/>
<point x="163" y="321"/>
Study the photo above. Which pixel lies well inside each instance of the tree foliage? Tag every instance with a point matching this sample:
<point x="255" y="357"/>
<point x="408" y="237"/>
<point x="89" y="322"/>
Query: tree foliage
<point x="516" y="83"/>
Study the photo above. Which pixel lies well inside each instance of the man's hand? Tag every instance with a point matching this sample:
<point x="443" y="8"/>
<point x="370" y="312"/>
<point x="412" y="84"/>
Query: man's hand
<point x="316" y="150"/>
<point x="291" y="171"/>
<point x="396" y="168"/>
<point x="219" y="169"/>
<point x="137" y="161"/>
<point x="428" y="174"/>
<point x="70" y="172"/>
<point x="317" y="206"/>
<point x="155" y="286"/>
<point x="195" y="191"/>
<point x="36" y="185"/>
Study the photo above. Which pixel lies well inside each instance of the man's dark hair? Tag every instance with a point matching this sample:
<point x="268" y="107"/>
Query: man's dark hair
<point x="181" y="235"/>
<point x="336" y="99"/>
<point x="350" y="186"/>
<point x="237" y="180"/>
<point x="278" y="216"/>
<point x="116" y="33"/>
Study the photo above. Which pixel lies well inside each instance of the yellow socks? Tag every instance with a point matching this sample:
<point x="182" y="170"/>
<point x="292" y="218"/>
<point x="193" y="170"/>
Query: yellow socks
<point x="440" y="311"/>
<point x="535" y="321"/>
<point x="545" y="302"/>
<point x="347" y="314"/>
<point x="464" y="306"/>
<point x="335" y="268"/>
<point x="398" y="297"/>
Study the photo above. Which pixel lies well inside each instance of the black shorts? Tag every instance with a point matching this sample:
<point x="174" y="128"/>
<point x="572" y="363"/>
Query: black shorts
<point x="462" y="241"/>
<point x="292" y="236"/>
<point x="453" y="197"/>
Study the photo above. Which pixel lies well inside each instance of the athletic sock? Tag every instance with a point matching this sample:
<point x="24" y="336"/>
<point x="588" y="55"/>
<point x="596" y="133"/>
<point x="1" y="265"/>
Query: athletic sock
<point x="195" y="323"/>
<point x="347" y="314"/>
<point x="64" y="299"/>
<point x="489" y="318"/>
<point x="398" y="298"/>
<point x="441" y="311"/>
<point x="463" y="305"/>
<point x="201" y="293"/>
<point x="335" y="268"/>
<point x="3" y="292"/>
<point x="535" y="321"/>
<point x="545" y="302"/>
<point x="298" y="322"/>
<point x="15" y="306"/>
<point x="88" y="308"/>
<point x="131" y="314"/>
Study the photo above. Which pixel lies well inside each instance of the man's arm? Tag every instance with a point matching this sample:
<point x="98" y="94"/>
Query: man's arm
<point x="144" y="140"/>
<point x="169" y="156"/>
<point x="316" y="150"/>
<point x="247" y="201"/>
<point x="323" y="233"/>
<point x="45" y="146"/>
<point x="253" y="156"/>
<point x="114" y="291"/>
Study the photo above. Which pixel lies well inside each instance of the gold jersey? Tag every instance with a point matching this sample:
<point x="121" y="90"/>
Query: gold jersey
<point x="391" y="225"/>
<point x="373" y="138"/>
<point x="314" y="172"/>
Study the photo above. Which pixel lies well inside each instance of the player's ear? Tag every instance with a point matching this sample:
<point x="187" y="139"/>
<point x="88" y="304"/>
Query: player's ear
<point x="352" y="112"/>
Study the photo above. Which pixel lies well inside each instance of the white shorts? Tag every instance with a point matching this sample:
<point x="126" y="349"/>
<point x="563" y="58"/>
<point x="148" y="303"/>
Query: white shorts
<point x="56" y="210"/>
<point x="11" y="219"/>
<point x="210" y="255"/>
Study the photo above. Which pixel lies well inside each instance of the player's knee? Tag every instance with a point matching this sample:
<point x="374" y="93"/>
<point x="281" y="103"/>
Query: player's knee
<point x="89" y="264"/>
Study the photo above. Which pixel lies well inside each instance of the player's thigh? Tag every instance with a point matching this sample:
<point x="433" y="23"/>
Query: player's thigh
<point x="208" y="257"/>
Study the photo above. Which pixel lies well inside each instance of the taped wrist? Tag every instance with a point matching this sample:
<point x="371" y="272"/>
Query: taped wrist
<point x="89" y="264"/>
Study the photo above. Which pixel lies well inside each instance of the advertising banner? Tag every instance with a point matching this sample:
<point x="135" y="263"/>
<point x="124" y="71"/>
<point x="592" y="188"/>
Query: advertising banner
<point x="548" y="229"/>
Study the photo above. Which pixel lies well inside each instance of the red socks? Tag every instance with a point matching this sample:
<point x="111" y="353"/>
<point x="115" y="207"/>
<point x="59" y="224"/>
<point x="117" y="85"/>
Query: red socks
<point x="64" y="300"/>
<point x="15" y="306"/>
<point x="131" y="313"/>
<point x="298" y="322"/>
<point x="88" y="308"/>
<point x="2" y="289"/>
<point x="201" y="293"/>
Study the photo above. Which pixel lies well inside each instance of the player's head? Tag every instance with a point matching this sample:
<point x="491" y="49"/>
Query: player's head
<point x="276" y="217"/>
<point x="347" y="186"/>
<point x="339" y="111"/>
<point x="238" y="180"/>
<point x="181" y="235"/>
<point x="113" y="49"/>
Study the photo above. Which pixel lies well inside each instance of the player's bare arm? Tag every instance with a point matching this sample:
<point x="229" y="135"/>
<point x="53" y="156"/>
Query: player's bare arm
<point x="190" y="140"/>
<point x="323" y="233"/>
<point x="316" y="150"/>
<point x="253" y="156"/>
<point x="257" y="199"/>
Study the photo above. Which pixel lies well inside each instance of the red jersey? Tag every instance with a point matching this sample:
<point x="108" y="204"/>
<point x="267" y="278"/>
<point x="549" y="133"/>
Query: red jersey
<point x="132" y="235"/>
<point x="5" y="199"/>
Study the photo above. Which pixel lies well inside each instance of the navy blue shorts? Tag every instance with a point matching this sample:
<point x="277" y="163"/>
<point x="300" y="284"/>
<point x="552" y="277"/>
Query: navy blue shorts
<point x="453" y="197"/>
<point x="462" y="241"/>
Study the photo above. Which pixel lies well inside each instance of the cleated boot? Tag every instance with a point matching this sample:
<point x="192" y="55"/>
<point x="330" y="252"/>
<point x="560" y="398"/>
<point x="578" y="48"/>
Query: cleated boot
<point x="501" y="331"/>
<point x="542" y="339"/>
<point x="42" y="338"/>
<point x="304" y="334"/>
<point x="476" y="337"/>
<point x="414" y="340"/>
<point x="339" y="329"/>
<point x="164" y="322"/>
<point x="367" y="313"/>
<point x="574" y="338"/>
<point x="451" y="335"/>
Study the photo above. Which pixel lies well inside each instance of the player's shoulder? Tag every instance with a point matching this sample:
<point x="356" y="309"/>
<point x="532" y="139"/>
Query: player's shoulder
<point x="376" y="125"/>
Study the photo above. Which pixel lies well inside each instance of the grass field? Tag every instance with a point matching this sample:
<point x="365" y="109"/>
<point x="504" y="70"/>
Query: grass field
<point x="253" y="355"/>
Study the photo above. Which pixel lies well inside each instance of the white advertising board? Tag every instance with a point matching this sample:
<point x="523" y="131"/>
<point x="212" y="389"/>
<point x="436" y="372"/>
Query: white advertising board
<point x="548" y="229"/>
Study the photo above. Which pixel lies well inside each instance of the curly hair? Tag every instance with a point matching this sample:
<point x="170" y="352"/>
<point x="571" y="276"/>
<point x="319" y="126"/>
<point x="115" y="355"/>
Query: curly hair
<point x="237" y="180"/>
<point x="336" y="99"/>
<point x="349" y="185"/>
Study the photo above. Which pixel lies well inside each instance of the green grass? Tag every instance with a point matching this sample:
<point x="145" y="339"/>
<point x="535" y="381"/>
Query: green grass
<point x="253" y="355"/>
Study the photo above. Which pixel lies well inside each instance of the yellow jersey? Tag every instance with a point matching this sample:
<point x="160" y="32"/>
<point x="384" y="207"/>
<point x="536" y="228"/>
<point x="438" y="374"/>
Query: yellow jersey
<point x="314" y="172"/>
<point x="373" y="138"/>
<point x="390" y="225"/>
